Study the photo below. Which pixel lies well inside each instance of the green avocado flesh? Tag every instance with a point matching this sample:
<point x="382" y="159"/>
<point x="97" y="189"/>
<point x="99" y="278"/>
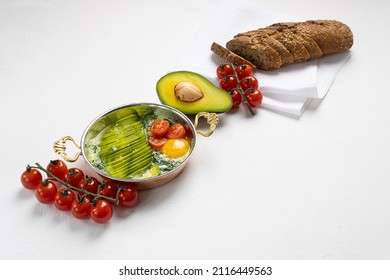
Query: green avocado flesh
<point x="214" y="98"/>
<point x="121" y="149"/>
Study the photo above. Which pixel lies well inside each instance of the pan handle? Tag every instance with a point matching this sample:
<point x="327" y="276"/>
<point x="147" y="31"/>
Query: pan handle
<point x="212" y="120"/>
<point x="60" y="148"/>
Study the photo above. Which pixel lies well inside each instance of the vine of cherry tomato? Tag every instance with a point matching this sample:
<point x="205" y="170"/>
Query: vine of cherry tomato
<point x="249" y="82"/>
<point x="31" y="178"/>
<point x="254" y="97"/>
<point x="101" y="212"/>
<point x="46" y="192"/>
<point x="224" y="70"/>
<point x="90" y="184"/>
<point x="128" y="197"/>
<point x="81" y="208"/>
<point x="58" y="168"/>
<point x="109" y="189"/>
<point x="236" y="97"/>
<point x="84" y="196"/>
<point x="243" y="71"/>
<point x="75" y="175"/>
<point x="241" y="84"/>
<point x="228" y="82"/>
<point x="63" y="199"/>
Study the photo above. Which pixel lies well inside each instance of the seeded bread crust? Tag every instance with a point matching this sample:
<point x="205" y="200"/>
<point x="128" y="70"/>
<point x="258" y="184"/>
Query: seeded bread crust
<point x="256" y="45"/>
<point x="281" y="44"/>
<point x="229" y="55"/>
<point x="285" y="54"/>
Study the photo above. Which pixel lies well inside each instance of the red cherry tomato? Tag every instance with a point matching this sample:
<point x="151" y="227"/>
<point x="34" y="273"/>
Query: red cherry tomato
<point x="224" y="70"/>
<point x="189" y="132"/>
<point x="176" y="131"/>
<point x="75" y="175"/>
<point x="101" y="212"/>
<point x="58" y="168"/>
<point x="31" y="178"/>
<point x="159" y="128"/>
<point x="254" y="97"/>
<point x="81" y="208"/>
<point x="244" y="71"/>
<point x="64" y="199"/>
<point x="109" y="189"/>
<point x="46" y="192"/>
<point x="249" y="82"/>
<point x="128" y="197"/>
<point x="236" y="97"/>
<point x="228" y="83"/>
<point x="90" y="184"/>
<point x="157" y="143"/>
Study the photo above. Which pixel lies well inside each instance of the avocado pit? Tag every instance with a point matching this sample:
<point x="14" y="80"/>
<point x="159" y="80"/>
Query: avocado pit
<point x="187" y="92"/>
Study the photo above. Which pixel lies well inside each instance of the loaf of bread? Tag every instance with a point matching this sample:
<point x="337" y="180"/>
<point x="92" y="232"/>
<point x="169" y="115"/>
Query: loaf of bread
<point x="282" y="44"/>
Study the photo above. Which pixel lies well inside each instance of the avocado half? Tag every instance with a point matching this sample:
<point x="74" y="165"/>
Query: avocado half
<point x="214" y="98"/>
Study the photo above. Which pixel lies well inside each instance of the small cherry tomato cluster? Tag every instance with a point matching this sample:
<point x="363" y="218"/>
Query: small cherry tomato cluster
<point x="161" y="130"/>
<point x="241" y="84"/>
<point x="70" y="190"/>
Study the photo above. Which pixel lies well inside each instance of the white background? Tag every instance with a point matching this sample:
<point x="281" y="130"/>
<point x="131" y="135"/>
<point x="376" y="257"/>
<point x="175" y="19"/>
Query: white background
<point x="263" y="187"/>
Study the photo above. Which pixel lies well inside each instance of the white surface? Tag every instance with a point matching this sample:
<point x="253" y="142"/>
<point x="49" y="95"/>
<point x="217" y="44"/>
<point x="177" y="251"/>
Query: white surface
<point x="267" y="187"/>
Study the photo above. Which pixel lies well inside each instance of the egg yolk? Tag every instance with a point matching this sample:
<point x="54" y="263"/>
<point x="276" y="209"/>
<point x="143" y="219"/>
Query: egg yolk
<point x="175" y="148"/>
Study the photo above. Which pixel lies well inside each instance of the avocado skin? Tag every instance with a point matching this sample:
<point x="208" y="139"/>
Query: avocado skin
<point x="214" y="100"/>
